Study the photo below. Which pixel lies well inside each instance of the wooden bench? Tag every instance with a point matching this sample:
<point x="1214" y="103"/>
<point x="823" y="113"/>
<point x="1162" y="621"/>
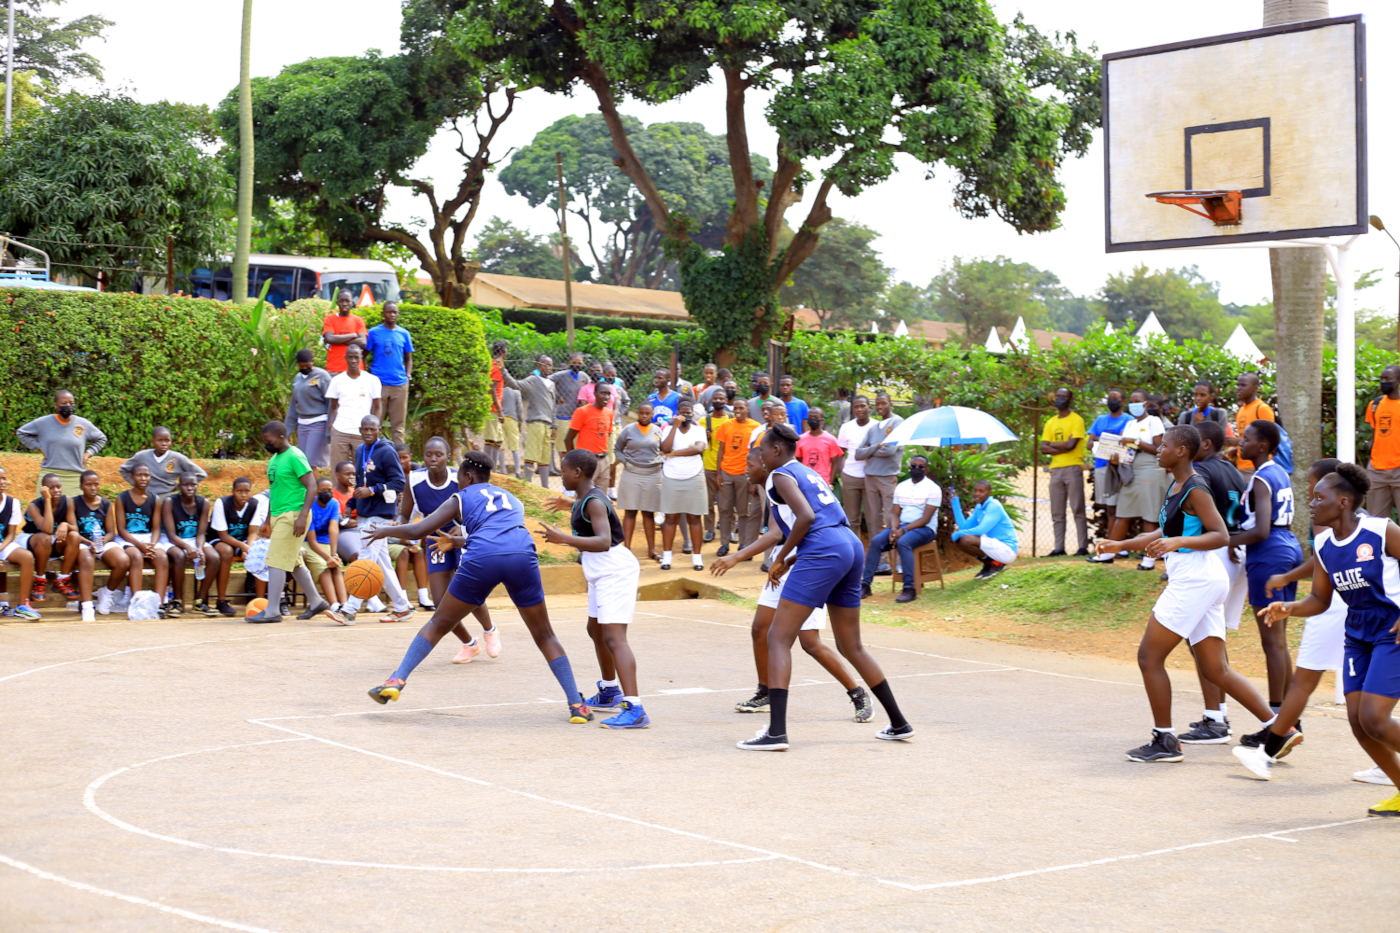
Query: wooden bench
<point x="928" y="566"/>
<point x="186" y="592"/>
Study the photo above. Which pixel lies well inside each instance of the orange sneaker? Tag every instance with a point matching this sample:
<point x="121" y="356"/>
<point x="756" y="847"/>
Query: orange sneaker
<point x="467" y="653"/>
<point x="493" y="643"/>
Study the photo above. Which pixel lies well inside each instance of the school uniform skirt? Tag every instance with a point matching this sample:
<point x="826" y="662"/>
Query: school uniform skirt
<point x="639" y="491"/>
<point x="1143" y="497"/>
<point x="684" y="496"/>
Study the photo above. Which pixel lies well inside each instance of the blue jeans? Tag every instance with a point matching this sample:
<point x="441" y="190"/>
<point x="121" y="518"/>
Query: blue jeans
<point x="908" y="541"/>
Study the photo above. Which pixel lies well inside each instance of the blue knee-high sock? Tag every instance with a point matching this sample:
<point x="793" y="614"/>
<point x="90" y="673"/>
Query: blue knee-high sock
<point x="418" y="649"/>
<point x="565" y="675"/>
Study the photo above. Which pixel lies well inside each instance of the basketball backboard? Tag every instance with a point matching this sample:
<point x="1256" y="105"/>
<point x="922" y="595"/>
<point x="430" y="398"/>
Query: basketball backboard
<point x="1277" y="114"/>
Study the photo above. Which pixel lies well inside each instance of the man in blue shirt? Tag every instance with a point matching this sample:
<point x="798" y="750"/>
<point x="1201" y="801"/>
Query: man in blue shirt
<point x="665" y="400"/>
<point x="1112" y="423"/>
<point x="390" y="349"/>
<point x="988" y="534"/>
<point x="796" y="408"/>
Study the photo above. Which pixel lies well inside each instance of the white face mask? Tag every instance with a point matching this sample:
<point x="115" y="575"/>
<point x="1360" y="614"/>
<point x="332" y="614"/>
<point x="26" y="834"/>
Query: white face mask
<point x="1136" y="409"/>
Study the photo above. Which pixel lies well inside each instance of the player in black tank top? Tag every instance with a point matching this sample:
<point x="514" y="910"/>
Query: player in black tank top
<point x="186" y="519"/>
<point x="235" y="513"/>
<point x="597" y="533"/>
<point x="94" y="517"/>
<point x="46" y="521"/>
<point x="138" y="525"/>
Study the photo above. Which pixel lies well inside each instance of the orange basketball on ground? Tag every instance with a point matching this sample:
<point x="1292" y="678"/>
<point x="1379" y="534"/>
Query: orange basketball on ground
<point x="255" y="606"/>
<point x="363" y="579"/>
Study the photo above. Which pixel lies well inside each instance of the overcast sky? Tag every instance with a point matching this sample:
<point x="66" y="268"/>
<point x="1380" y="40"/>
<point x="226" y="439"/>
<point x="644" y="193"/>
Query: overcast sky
<point x="177" y="50"/>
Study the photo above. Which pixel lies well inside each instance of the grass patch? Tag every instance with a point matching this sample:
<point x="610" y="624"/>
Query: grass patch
<point x="734" y="599"/>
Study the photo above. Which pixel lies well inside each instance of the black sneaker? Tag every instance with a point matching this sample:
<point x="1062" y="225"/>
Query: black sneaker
<point x="763" y="742"/>
<point x="1058" y="552"/>
<point x="757" y="704"/>
<point x="723" y="551"/>
<point x="202" y="606"/>
<point x="686" y="549"/>
<point x="984" y="573"/>
<point x="906" y="596"/>
<point x="896" y="733"/>
<point x="864" y="709"/>
<point x="1163" y="747"/>
<point x="1082" y="552"/>
<point x="1257" y="740"/>
<point x="284" y="607"/>
<point x="225" y="609"/>
<point x="1207" y="732"/>
<point x="865" y="591"/>
<point x="992" y="569"/>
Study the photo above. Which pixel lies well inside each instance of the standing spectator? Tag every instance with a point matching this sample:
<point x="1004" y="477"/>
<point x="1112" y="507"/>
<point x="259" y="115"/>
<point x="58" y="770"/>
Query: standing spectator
<point x="818" y="449"/>
<point x="622" y="410"/>
<point x="567" y="385"/>
<point x="638" y="449"/>
<point x="538" y="391"/>
<point x="762" y="388"/>
<point x="1203" y="395"/>
<point x="342" y="330"/>
<point x="1143" y="496"/>
<point x="912" y="525"/>
<point x="515" y="415"/>
<point x="683" y="482"/>
<point x="988" y="534"/>
<point x="494" y="432"/>
<point x="353" y="394"/>
<point x="390" y="351"/>
<point x="796" y="408"/>
<point x="716" y="418"/>
<point x="308" y="410"/>
<point x="881" y="465"/>
<point x="737" y="509"/>
<point x="65" y="440"/>
<point x="1383" y="415"/>
<point x="379" y="481"/>
<point x="850" y="436"/>
<point x="589" y="428"/>
<point x="722" y="379"/>
<point x="618" y="400"/>
<point x="1252" y="408"/>
<point x="665" y="401"/>
<point x="1063" y="440"/>
<point x="1112" y="423"/>
<point x="709" y="374"/>
<point x="842" y="407"/>
<point x="292" y="490"/>
<point x="166" y="465"/>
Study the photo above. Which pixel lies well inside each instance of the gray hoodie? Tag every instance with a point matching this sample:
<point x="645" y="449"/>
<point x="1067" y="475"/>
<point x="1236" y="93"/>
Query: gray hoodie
<point x="63" y="444"/>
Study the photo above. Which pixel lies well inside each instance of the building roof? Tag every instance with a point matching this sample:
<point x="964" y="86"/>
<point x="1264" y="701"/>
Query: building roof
<point x="939" y="333"/>
<point x="518" y="291"/>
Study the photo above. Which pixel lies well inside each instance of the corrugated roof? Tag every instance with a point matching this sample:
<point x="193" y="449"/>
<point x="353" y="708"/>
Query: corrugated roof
<point x="589" y="297"/>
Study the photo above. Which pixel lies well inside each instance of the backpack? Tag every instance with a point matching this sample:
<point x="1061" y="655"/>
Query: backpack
<point x="1284" y="455"/>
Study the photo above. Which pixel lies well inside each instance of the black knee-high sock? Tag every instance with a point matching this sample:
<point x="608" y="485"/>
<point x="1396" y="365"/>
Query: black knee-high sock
<point x="885" y="695"/>
<point x="777" y="711"/>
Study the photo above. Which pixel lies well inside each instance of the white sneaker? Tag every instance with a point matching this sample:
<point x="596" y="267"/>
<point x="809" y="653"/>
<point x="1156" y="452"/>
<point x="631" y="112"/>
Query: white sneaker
<point x="1256" y="760"/>
<point x="1373" y="776"/>
<point x="374" y="605"/>
<point x="88" y="614"/>
<point x="1101" y="559"/>
<point x="1147" y="563"/>
<point x="104" y="601"/>
<point x="121" y="602"/>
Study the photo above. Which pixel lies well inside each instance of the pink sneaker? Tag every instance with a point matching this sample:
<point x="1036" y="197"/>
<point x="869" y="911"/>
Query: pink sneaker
<point x="467" y="653"/>
<point x="493" y="643"/>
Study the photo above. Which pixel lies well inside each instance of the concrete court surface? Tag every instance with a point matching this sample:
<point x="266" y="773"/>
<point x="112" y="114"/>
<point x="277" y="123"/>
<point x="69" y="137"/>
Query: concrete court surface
<point x="204" y="774"/>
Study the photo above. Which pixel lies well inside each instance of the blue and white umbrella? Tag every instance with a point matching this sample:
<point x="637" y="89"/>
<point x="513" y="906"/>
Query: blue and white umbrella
<point x="949" y="426"/>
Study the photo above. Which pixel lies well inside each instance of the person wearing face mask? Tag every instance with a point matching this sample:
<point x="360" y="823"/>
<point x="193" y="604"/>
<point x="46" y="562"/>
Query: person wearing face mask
<point x="1383" y="470"/>
<point x="1112" y="423"/>
<point x="308" y="411"/>
<point x="1063" y="440"/>
<point x="762" y="387"/>
<point x="65" y="440"/>
<point x="818" y="448"/>
<point x="292" y="490"/>
<point x="914" y="506"/>
<point x="568" y="383"/>
<point x="1143" y="496"/>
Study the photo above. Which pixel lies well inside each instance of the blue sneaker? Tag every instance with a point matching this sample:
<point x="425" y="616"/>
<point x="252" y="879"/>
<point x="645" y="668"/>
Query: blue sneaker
<point x="631" y="717"/>
<point x="608" y="698"/>
<point x="24" y="612"/>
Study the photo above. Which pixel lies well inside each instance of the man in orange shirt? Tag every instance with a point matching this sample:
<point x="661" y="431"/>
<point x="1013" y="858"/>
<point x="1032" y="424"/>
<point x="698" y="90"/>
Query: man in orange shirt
<point x="736" y="505"/>
<point x="1252" y="409"/>
<point x="342" y="329"/>
<point x="1383" y="415"/>
<point x="589" y="429"/>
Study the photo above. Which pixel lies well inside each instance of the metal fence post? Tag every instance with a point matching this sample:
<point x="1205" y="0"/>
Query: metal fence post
<point x="1035" y="485"/>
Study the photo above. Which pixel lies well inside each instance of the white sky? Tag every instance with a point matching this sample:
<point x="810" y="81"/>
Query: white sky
<point x="172" y="49"/>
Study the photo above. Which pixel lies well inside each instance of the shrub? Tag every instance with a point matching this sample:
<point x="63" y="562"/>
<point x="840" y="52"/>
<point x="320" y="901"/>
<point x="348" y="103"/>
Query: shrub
<point x="451" y="365"/>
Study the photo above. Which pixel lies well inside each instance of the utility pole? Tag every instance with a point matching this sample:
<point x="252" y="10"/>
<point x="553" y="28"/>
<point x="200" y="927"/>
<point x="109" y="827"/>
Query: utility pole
<point x="564" y="237"/>
<point x="169" y="264"/>
<point x="10" y="70"/>
<point x="244" y="244"/>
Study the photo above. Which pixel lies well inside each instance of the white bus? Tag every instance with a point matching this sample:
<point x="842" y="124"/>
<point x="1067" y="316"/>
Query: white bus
<point x="295" y="277"/>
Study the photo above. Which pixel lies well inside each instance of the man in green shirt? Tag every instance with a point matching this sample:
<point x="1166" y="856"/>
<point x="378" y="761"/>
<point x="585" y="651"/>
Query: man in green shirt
<point x="292" y="489"/>
<point x="1063" y="440"/>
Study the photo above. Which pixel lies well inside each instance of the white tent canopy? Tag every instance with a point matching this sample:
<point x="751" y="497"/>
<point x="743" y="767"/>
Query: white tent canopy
<point x="1242" y="346"/>
<point x="1108" y="328"/>
<point x="1151" y="328"/>
<point x="993" y="343"/>
<point x="1020" y="337"/>
<point x="902" y="330"/>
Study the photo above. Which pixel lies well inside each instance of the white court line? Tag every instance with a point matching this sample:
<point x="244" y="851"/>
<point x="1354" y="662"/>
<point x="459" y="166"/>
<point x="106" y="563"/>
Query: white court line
<point x="1118" y="858"/>
<point x="130" y="898"/>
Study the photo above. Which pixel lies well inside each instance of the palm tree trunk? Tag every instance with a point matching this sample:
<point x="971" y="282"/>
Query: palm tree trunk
<point x="245" y="163"/>
<point x="1299" y="279"/>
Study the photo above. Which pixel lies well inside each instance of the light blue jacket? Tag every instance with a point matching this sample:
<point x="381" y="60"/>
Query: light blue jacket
<point x="989" y="519"/>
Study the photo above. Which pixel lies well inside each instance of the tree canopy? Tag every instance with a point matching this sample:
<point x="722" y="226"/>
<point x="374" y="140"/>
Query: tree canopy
<point x="689" y="165"/>
<point x="1186" y="304"/>
<point x="987" y="293"/>
<point x="844" y="279"/>
<point x="853" y="83"/>
<point x="52" y="49"/>
<point x="99" y="182"/>
<point x="504" y="248"/>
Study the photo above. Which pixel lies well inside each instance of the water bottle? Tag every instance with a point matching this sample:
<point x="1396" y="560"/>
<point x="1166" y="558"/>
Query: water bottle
<point x="97" y="541"/>
<point x="199" y="568"/>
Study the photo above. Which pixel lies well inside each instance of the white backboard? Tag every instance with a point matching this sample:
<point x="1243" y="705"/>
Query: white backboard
<point x="1278" y="114"/>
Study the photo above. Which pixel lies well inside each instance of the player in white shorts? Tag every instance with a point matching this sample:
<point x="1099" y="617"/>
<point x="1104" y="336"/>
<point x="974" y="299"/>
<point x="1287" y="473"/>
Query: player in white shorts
<point x="809" y="636"/>
<point x="1192" y="606"/>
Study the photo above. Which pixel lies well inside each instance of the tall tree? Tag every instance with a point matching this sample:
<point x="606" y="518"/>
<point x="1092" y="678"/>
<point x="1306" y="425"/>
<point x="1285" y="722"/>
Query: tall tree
<point x="844" y="279"/>
<point x="99" y="182"/>
<point x="52" y="49"/>
<point x="689" y="165"/>
<point x="987" y="293"/>
<point x="1186" y="304"/>
<point x="243" y="246"/>
<point x="853" y="83"/>
<point x="504" y="248"/>
<point x="905" y="301"/>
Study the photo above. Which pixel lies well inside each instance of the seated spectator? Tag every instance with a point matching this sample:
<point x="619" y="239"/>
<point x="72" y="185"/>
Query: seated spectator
<point x="11" y="551"/>
<point x="913" y="523"/>
<point x="49" y="533"/>
<point x="166" y="465"/>
<point x="988" y="534"/>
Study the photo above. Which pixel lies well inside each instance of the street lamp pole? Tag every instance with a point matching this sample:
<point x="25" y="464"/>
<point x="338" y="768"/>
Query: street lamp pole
<point x="1376" y="222"/>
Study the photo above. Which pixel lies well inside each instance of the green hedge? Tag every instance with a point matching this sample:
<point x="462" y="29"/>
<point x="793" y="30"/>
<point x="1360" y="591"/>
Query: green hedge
<point x="451" y="365"/>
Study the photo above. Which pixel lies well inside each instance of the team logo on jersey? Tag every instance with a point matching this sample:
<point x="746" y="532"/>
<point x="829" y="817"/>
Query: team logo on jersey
<point x="77" y="430"/>
<point x="170" y="467"/>
<point x="1365" y="552"/>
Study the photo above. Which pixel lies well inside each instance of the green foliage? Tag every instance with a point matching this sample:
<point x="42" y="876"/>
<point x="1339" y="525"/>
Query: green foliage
<point x="628" y="347"/>
<point x="843" y="279"/>
<point x="553" y="322"/>
<point x="987" y="293"/>
<point x="53" y="49"/>
<point x="29" y="94"/>
<point x="731" y="295"/>
<point x="904" y="301"/>
<point x="134" y="361"/>
<point x="451" y="365"/>
<point x="505" y="249"/>
<point x="1186" y="304"/>
<point x="108" y="170"/>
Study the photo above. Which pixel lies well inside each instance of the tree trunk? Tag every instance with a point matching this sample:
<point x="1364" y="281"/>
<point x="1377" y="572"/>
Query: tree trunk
<point x="244" y="243"/>
<point x="1299" y="279"/>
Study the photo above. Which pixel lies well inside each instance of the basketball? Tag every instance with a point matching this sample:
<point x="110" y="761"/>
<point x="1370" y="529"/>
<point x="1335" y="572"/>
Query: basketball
<point x="363" y="579"/>
<point x="255" y="606"/>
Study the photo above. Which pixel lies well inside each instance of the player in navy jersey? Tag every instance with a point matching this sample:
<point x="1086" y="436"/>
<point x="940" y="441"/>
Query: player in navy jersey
<point x="497" y="550"/>
<point x="185" y="515"/>
<point x="1270" y="547"/>
<point x="425" y="492"/>
<point x="1356" y="557"/>
<point x="826" y="560"/>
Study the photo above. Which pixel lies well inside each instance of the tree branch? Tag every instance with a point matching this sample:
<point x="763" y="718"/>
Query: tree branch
<point x="781" y="196"/>
<point x="627" y="160"/>
<point x="745" y="213"/>
<point x="807" y="237"/>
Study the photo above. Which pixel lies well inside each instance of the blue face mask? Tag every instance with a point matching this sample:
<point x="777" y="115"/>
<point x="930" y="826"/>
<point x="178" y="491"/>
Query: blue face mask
<point x="1136" y="409"/>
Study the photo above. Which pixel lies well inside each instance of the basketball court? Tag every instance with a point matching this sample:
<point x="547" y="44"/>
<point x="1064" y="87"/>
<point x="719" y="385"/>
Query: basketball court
<point x="184" y="775"/>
